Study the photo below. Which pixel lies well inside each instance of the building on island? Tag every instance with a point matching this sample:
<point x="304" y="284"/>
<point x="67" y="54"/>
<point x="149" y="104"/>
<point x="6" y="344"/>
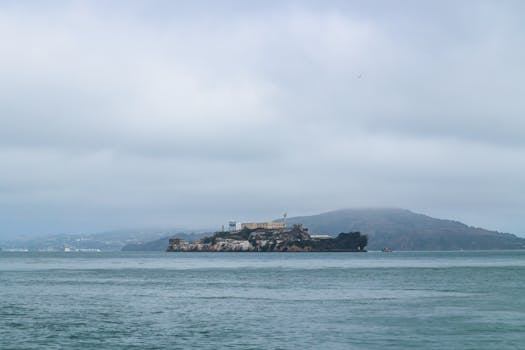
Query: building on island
<point x="176" y="242"/>
<point x="234" y="226"/>
<point x="270" y="225"/>
<point x="321" y="236"/>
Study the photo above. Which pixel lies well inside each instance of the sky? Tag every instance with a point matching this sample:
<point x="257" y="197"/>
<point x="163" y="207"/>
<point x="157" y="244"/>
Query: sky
<point x="128" y="114"/>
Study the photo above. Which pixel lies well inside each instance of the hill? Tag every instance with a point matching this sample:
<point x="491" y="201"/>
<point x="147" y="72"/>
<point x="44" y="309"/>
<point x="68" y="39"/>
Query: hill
<point x="104" y="241"/>
<point x="402" y="229"/>
<point x="160" y="244"/>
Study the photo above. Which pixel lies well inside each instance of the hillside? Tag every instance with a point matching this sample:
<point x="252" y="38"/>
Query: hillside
<point x="402" y="229"/>
<point x="105" y="241"/>
<point x="160" y="244"/>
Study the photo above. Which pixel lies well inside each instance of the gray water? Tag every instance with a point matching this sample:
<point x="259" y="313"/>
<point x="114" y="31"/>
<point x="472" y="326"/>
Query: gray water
<point x="438" y="300"/>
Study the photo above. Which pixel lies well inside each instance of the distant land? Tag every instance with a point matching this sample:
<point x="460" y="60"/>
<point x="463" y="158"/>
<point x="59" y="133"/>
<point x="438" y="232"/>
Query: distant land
<point x="141" y="239"/>
<point x="402" y="229"/>
<point x="160" y="244"/>
<point x="398" y="229"/>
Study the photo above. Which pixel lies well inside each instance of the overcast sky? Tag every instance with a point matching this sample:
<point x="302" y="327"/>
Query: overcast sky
<point x="122" y="114"/>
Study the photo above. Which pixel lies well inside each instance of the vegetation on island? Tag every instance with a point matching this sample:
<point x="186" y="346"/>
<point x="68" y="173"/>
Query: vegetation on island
<point x="294" y="239"/>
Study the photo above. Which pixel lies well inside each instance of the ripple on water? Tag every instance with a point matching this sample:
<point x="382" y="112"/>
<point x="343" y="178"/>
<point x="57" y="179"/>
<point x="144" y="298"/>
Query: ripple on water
<point x="262" y="301"/>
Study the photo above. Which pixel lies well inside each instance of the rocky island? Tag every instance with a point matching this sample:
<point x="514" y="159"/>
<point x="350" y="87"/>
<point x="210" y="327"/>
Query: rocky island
<point x="271" y="237"/>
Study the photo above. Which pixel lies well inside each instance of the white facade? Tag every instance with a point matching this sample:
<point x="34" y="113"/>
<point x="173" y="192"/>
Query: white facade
<point x="234" y="226"/>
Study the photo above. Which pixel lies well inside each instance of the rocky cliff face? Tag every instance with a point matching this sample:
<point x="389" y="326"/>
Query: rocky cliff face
<point x="295" y="239"/>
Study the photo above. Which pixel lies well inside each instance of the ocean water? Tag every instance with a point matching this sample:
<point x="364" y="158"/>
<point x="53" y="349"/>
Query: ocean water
<point x="401" y="300"/>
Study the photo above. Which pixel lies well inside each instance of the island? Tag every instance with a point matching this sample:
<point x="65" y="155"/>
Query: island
<point x="271" y="237"/>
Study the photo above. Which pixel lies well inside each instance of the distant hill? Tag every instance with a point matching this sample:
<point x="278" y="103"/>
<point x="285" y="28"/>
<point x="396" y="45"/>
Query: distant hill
<point x="398" y="229"/>
<point x="105" y="241"/>
<point x="401" y="229"/>
<point x="160" y="244"/>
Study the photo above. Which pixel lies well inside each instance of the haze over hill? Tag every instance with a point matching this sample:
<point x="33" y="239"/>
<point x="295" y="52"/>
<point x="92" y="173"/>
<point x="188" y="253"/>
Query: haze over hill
<point x="162" y="243"/>
<point x="104" y="241"/>
<point x="398" y="229"/>
<point x="404" y="230"/>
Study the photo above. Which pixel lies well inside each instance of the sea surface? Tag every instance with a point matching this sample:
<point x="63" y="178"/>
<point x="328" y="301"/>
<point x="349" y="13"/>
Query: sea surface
<point x="400" y="300"/>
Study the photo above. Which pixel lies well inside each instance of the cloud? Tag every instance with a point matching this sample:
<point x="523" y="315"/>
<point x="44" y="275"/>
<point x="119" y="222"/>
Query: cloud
<point x="154" y="113"/>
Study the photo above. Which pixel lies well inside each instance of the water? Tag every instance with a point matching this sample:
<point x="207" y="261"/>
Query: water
<point x="439" y="300"/>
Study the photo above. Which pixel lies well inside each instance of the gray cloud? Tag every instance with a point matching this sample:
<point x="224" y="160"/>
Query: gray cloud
<point x="162" y="114"/>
